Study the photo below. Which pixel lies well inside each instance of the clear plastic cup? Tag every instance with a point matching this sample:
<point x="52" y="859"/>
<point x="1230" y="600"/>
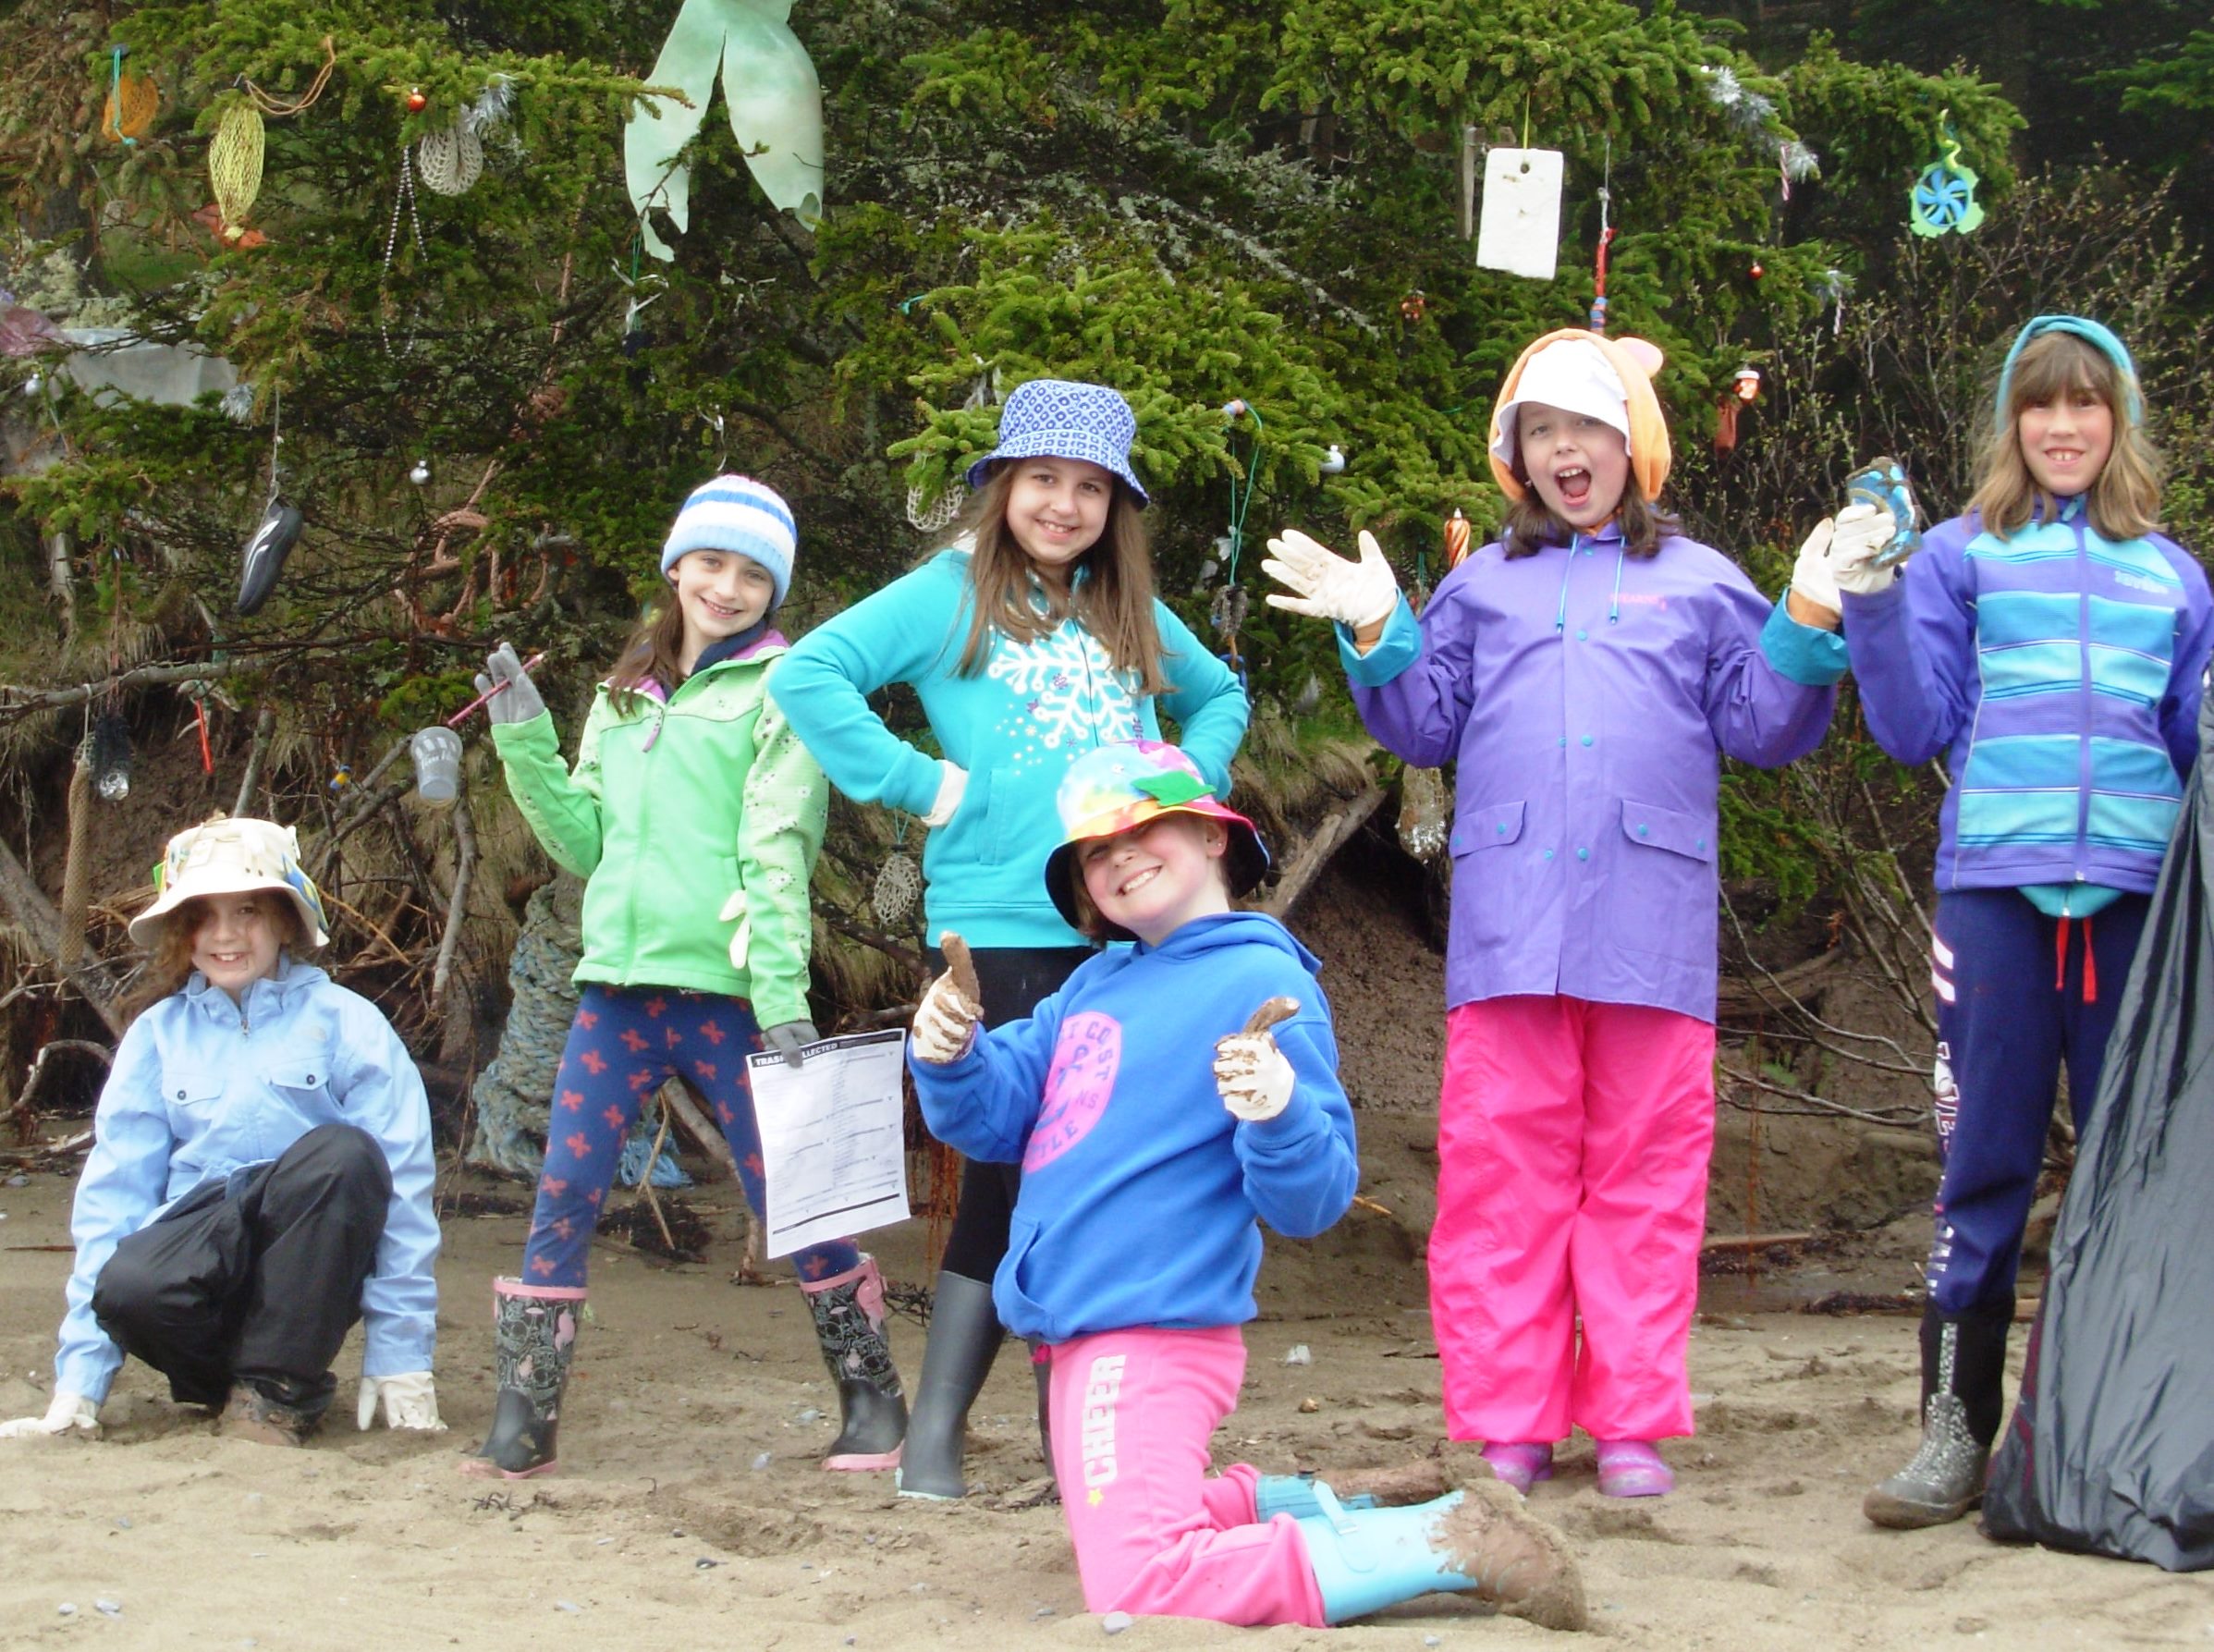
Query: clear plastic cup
<point x="437" y="755"/>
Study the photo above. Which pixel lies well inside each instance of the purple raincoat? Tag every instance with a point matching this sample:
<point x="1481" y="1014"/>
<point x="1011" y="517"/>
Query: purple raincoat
<point x="1588" y="698"/>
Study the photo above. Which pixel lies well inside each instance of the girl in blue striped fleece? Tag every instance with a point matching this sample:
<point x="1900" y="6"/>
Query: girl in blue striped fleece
<point x="2051" y="644"/>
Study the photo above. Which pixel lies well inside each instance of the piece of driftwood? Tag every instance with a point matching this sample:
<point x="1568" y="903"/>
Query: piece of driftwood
<point x="1720" y="1244"/>
<point x="14" y="697"/>
<point x="1750" y="997"/>
<point x="1335" y="831"/>
<point x="33" y="914"/>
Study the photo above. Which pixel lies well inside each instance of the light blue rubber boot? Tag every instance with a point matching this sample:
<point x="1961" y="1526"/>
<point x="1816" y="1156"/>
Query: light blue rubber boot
<point x="1365" y="1559"/>
<point x="1294" y="1494"/>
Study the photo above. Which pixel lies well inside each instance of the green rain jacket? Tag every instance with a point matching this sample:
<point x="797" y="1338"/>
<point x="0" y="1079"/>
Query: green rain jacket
<point x="696" y="820"/>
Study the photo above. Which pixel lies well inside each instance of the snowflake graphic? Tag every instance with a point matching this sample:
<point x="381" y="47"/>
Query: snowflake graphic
<point x="1066" y="690"/>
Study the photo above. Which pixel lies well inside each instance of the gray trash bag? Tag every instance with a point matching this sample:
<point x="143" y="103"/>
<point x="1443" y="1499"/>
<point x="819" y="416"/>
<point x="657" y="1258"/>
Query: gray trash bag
<point x="2111" y="1449"/>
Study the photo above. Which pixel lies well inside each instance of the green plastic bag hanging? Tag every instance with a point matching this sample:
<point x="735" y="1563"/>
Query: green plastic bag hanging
<point x="775" y="102"/>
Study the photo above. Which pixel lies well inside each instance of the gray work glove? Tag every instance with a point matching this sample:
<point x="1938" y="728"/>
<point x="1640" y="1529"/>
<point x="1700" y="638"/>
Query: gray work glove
<point x="788" y="1038"/>
<point x="519" y="701"/>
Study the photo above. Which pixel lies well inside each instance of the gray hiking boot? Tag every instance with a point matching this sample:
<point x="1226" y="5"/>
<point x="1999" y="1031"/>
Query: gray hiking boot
<point x="1962" y="1358"/>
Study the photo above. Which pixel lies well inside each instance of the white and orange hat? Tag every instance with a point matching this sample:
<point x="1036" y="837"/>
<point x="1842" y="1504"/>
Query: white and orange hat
<point x="232" y="857"/>
<point x="1581" y="371"/>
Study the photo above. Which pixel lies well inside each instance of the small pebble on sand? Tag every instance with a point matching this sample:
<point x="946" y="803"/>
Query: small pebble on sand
<point x="1116" y="1623"/>
<point x="68" y="1609"/>
<point x="1299" y="1353"/>
<point x="108" y="1609"/>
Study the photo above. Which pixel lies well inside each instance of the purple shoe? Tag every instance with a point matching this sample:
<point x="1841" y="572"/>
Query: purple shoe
<point x="1518" y="1464"/>
<point x="1633" y="1468"/>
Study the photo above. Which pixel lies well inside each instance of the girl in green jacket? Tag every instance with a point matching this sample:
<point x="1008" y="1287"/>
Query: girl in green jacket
<point x="695" y="815"/>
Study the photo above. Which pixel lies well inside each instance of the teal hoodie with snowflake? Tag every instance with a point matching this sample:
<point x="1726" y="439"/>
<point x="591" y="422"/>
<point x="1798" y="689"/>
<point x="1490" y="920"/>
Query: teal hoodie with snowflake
<point x="1015" y="726"/>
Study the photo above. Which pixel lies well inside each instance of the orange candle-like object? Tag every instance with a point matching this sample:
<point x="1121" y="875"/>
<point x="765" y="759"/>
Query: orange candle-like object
<point x="1456" y="539"/>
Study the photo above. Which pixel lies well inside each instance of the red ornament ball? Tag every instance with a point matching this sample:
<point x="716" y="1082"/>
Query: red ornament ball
<point x="417" y="102"/>
<point x="1756" y="272"/>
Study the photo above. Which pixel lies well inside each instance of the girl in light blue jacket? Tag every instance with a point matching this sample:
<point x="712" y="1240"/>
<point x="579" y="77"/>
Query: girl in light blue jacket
<point x="261" y="1172"/>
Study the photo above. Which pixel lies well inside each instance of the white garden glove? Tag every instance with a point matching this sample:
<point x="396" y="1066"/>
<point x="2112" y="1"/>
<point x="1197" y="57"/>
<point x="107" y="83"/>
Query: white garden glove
<point x="1862" y="533"/>
<point x="788" y="1038"/>
<point x="1359" y="595"/>
<point x="68" y="1410"/>
<point x="410" y="1402"/>
<point x="952" y="783"/>
<point x="1250" y="1073"/>
<point x="1814" y="577"/>
<point x="944" y="1023"/>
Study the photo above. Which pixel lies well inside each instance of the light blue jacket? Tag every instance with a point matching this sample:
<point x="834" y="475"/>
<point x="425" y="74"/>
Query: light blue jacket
<point x="1015" y="727"/>
<point x="201" y="1091"/>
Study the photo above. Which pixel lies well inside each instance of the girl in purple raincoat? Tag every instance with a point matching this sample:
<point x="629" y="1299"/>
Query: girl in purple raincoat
<point x="1587" y="671"/>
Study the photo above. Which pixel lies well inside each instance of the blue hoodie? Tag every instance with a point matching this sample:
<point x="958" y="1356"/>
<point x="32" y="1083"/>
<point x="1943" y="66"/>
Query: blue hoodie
<point x="1140" y="1191"/>
<point x="1015" y="727"/>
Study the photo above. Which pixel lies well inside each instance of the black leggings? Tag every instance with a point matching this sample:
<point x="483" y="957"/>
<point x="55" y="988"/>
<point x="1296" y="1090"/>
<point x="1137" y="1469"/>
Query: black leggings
<point x="1013" y="980"/>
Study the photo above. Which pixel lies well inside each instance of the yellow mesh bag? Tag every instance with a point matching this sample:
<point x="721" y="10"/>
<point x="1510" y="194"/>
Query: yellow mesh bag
<point x="235" y="164"/>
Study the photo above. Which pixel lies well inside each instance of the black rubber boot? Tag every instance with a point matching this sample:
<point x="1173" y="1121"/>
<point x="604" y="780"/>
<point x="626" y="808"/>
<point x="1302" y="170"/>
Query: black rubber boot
<point x="848" y="1322"/>
<point x="1041" y="1367"/>
<point x="534" y="1337"/>
<point x="964" y="1340"/>
<point x="1964" y="1368"/>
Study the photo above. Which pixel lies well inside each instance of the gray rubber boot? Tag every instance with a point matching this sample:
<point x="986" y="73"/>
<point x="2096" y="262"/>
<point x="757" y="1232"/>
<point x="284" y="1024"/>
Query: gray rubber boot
<point x="964" y="1340"/>
<point x="1963" y="1364"/>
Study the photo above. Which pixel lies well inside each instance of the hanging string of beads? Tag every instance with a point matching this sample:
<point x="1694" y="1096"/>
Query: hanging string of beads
<point x="1232" y="603"/>
<point x="403" y="199"/>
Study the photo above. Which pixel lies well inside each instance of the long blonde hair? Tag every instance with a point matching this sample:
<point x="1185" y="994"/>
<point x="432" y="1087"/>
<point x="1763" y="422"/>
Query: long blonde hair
<point x="1113" y="600"/>
<point x="2124" y="500"/>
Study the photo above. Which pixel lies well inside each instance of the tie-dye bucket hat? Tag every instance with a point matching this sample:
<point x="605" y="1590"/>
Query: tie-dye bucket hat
<point x="1116" y="787"/>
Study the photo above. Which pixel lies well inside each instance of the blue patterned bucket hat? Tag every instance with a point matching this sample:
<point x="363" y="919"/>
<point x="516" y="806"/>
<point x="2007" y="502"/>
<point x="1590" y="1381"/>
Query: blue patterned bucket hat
<point x="1061" y="418"/>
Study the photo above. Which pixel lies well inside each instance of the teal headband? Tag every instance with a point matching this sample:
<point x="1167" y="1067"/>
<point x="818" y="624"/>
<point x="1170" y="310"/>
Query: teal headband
<point x="2091" y="332"/>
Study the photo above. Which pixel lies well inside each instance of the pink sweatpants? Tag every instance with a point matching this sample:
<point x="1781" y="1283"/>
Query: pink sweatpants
<point x="1573" y="1144"/>
<point x="1154" y="1534"/>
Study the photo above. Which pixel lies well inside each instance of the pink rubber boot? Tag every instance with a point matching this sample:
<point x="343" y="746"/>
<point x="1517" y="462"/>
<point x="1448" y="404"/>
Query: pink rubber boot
<point x="1633" y="1468"/>
<point x="1518" y="1464"/>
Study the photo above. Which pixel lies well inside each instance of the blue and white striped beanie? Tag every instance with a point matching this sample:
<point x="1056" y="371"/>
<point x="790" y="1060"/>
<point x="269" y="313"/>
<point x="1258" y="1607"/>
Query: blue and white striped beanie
<point x="737" y="513"/>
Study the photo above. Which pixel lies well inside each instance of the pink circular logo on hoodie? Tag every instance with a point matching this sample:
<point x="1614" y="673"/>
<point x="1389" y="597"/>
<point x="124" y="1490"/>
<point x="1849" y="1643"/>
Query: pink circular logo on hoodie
<point x="1085" y="1061"/>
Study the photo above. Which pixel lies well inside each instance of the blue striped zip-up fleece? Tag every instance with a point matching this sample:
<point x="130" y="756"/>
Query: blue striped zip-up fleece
<point x="2061" y="673"/>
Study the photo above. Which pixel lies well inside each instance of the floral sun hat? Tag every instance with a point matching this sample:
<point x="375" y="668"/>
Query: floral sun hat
<point x="232" y="857"/>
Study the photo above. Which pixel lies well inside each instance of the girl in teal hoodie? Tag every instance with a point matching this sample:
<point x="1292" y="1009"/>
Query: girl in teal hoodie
<point x="1042" y="642"/>
<point x="696" y="816"/>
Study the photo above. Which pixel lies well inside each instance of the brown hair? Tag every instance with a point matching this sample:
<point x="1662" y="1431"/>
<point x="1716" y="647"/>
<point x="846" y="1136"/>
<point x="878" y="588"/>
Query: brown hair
<point x="651" y="655"/>
<point x="1114" y="601"/>
<point x="1530" y="525"/>
<point x="170" y="966"/>
<point x="2124" y="500"/>
<point x="1089" y="922"/>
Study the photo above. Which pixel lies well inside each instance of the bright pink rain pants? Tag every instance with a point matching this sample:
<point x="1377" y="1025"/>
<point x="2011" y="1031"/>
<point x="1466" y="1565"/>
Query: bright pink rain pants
<point x="1155" y="1534"/>
<point x="1572" y="1143"/>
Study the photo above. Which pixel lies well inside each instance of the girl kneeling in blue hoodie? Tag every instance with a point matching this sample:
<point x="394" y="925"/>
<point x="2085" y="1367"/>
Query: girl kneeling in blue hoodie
<point x="1154" y="1135"/>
